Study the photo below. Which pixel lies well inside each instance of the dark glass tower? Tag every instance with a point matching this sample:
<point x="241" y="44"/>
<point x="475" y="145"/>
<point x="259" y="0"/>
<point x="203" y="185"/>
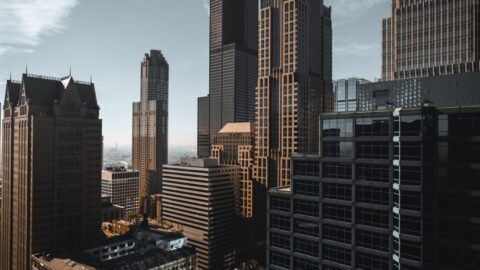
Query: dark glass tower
<point x="233" y="61"/>
<point x="150" y="125"/>
<point x="203" y="127"/>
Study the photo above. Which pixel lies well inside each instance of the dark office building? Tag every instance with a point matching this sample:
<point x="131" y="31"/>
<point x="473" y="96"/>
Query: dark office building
<point x="345" y="94"/>
<point x="203" y="127"/>
<point x="150" y="125"/>
<point x="51" y="164"/>
<point x="429" y="38"/>
<point x="233" y="61"/>
<point x="391" y="189"/>
<point x="439" y="91"/>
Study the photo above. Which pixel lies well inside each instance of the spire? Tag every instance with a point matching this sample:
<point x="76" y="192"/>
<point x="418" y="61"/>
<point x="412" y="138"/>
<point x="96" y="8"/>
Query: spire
<point x="26" y="69"/>
<point x="90" y="78"/>
<point x="70" y="74"/>
<point x="10" y="75"/>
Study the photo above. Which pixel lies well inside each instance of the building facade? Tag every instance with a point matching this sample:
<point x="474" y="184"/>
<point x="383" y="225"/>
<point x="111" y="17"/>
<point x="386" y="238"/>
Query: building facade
<point x="198" y="200"/>
<point x="429" y="38"/>
<point x="203" y="127"/>
<point x="391" y="189"/>
<point x="122" y="186"/>
<point x="294" y="84"/>
<point x="439" y="91"/>
<point x="150" y="126"/>
<point x="51" y="162"/>
<point x="345" y="94"/>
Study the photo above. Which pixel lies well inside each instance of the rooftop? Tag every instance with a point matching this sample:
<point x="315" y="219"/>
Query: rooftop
<point x="244" y="127"/>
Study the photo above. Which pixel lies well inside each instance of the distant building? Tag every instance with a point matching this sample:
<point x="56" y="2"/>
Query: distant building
<point x="391" y="189"/>
<point x="140" y="249"/>
<point x="122" y="185"/>
<point x="150" y="126"/>
<point x="52" y="162"/>
<point x="429" y="38"/>
<point x="345" y="94"/>
<point x="203" y="127"/>
<point x="438" y="91"/>
<point x="110" y="211"/>
<point x="199" y="200"/>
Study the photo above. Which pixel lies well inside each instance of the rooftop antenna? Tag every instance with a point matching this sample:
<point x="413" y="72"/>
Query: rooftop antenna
<point x="90" y="78"/>
<point x="70" y="71"/>
<point x="26" y="68"/>
<point x="10" y="75"/>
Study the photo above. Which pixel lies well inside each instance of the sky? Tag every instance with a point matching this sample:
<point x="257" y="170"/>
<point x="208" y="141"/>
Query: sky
<point x="106" y="40"/>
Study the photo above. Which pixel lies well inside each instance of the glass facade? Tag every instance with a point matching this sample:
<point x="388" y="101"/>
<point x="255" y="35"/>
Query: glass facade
<point x="345" y="94"/>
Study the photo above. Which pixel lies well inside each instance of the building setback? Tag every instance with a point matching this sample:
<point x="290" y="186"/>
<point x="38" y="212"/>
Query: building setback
<point x="122" y="185"/>
<point x="294" y="84"/>
<point x="198" y="199"/>
<point x="345" y="94"/>
<point x="52" y="161"/>
<point x="391" y="189"/>
<point x="150" y="125"/>
<point x="429" y="38"/>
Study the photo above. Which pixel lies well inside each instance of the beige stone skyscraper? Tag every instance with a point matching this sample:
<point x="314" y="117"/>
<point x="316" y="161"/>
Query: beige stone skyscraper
<point x="430" y="38"/>
<point x="150" y="125"/>
<point x="51" y="164"/>
<point x="294" y="84"/>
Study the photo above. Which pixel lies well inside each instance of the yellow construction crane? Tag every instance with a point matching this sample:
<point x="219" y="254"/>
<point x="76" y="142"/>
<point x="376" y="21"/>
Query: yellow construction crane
<point x="142" y="196"/>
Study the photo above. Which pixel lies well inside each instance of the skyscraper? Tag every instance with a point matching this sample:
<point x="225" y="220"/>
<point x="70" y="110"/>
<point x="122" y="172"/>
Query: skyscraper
<point x="294" y="84"/>
<point x="150" y="125"/>
<point x="429" y="38"/>
<point x="233" y="62"/>
<point x="52" y="162"/>
<point x="121" y="185"/>
<point x="198" y="200"/>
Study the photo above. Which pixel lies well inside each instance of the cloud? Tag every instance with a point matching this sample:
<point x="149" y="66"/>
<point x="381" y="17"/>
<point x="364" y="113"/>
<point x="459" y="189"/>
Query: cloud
<point x="356" y="49"/>
<point x="206" y="5"/>
<point x="344" y="10"/>
<point x="23" y="23"/>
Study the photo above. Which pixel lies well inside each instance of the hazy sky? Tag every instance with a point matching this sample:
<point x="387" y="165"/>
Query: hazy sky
<point x="106" y="39"/>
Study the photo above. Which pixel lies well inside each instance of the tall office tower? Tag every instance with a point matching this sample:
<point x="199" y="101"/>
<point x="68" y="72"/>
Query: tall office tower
<point x="150" y="126"/>
<point x="429" y="38"/>
<point x="52" y="162"/>
<point x="233" y="145"/>
<point x="233" y="61"/>
<point x="345" y="94"/>
<point x="203" y="127"/>
<point x="294" y="84"/>
<point x="391" y="189"/>
<point x="121" y="185"/>
<point x="198" y="200"/>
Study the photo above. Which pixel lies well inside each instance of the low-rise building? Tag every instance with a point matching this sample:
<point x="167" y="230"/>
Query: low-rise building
<point x="122" y="185"/>
<point x="138" y="249"/>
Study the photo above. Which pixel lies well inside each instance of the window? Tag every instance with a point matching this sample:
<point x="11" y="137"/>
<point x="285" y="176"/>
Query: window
<point x="373" y="217"/>
<point x="337" y="191"/>
<point x="280" y="203"/>
<point x="337" y="254"/>
<point x="373" y="150"/>
<point x="337" y="127"/>
<point x="372" y="127"/>
<point x="373" y="195"/>
<point x="306" y="247"/>
<point x="372" y="240"/>
<point x="373" y="173"/>
<point x="371" y="262"/>
<point x="306" y="187"/>
<point x="306" y="168"/>
<point x="411" y="151"/>
<point x="280" y="222"/>
<point x="306" y="227"/>
<point x="280" y="259"/>
<point x="411" y="176"/>
<point x="411" y="200"/>
<point x="337" y="233"/>
<point x="411" y="225"/>
<point x="411" y="250"/>
<point x="302" y="264"/>
<point x="308" y="208"/>
<point x="411" y="125"/>
<point x="337" y="212"/>
<point x="337" y="170"/>
<point x="280" y="241"/>
<point x="338" y="149"/>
